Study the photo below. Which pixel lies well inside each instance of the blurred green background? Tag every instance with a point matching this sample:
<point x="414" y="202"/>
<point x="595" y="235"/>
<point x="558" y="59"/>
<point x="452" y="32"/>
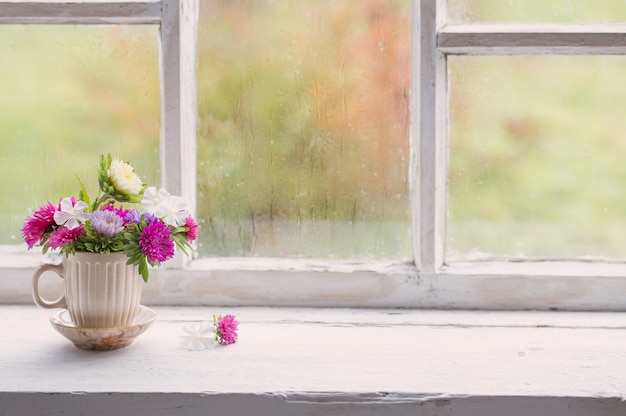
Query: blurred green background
<point x="537" y="156"/>
<point x="536" y="142"/>
<point x="303" y="129"/>
<point x="68" y="94"/>
<point x="536" y="11"/>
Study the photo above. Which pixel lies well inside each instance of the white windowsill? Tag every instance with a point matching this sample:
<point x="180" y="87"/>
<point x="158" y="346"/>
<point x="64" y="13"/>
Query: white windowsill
<point x="326" y="361"/>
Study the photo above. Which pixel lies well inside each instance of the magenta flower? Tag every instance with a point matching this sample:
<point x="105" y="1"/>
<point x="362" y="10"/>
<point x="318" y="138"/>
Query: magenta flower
<point x="155" y="242"/>
<point x="101" y="225"/>
<point x="225" y="329"/>
<point x="35" y="226"/>
<point x="192" y="233"/>
<point x="119" y="211"/>
<point x="64" y="235"/>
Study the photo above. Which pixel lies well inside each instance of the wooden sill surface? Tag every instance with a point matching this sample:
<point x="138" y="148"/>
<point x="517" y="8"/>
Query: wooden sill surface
<point x="323" y="356"/>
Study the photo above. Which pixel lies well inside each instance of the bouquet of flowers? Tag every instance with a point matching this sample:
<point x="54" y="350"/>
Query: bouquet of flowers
<point x="147" y="237"/>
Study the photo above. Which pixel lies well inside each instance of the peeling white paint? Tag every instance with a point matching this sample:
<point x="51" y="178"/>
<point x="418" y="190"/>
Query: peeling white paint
<point x="326" y="362"/>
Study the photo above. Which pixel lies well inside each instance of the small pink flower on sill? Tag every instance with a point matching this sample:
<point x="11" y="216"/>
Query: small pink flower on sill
<point x="225" y="329"/>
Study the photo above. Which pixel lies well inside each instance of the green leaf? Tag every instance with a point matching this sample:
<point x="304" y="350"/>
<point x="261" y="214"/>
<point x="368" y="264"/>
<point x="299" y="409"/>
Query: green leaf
<point x="83" y="194"/>
<point x="143" y="269"/>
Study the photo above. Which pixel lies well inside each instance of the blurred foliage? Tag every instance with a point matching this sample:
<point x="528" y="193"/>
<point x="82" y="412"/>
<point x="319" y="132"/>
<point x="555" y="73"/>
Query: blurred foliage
<point x="304" y="125"/>
<point x="536" y="158"/>
<point x="303" y="136"/>
<point x="70" y="93"/>
<point x="303" y="121"/>
<point x="536" y="11"/>
<point x="536" y="144"/>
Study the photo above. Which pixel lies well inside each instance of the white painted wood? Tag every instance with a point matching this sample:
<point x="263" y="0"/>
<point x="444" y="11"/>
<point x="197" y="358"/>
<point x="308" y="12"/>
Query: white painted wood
<point x="483" y="39"/>
<point x="327" y="362"/>
<point x="290" y="282"/>
<point x="178" y="96"/>
<point x="559" y="286"/>
<point x="429" y="102"/>
<point x="310" y="282"/>
<point x="415" y="132"/>
<point x="441" y="149"/>
<point x="101" y="12"/>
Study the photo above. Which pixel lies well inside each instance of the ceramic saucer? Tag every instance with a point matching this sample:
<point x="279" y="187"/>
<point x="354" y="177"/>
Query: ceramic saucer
<point x="102" y="338"/>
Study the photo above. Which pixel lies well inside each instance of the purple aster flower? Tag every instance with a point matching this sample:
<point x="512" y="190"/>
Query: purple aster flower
<point x="107" y="222"/>
<point x="225" y="329"/>
<point x="64" y="235"/>
<point x="155" y="242"/>
<point x="133" y="215"/>
<point x="149" y="217"/>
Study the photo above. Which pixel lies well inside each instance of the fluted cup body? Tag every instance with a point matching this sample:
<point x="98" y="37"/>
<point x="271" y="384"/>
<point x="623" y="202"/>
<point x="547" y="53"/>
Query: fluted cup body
<point x="100" y="290"/>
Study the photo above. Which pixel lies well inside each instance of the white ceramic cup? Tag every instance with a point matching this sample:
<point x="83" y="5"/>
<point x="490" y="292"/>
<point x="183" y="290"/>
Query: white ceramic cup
<point x="100" y="290"/>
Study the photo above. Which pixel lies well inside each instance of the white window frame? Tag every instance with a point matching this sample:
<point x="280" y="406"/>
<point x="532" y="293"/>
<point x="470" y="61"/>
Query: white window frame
<point x="495" y="283"/>
<point x="425" y="283"/>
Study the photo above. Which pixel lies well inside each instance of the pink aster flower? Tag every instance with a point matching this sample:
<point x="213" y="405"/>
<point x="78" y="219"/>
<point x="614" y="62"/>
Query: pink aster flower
<point x="225" y="329"/>
<point x="64" y="235"/>
<point x="192" y="234"/>
<point x="36" y="226"/>
<point x="155" y="242"/>
<point x="121" y="212"/>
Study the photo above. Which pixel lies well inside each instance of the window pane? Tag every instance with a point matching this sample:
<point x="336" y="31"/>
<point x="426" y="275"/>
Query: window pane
<point x="537" y="11"/>
<point x="537" y="156"/>
<point x="70" y="93"/>
<point x="303" y="128"/>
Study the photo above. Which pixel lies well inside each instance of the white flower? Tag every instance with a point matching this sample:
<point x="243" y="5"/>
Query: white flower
<point x="174" y="210"/>
<point x="152" y="198"/>
<point x="198" y="338"/>
<point x="71" y="215"/>
<point x="124" y="178"/>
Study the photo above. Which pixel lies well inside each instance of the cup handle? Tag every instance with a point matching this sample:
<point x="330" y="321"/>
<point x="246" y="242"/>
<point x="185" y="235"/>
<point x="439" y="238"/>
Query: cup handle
<point x="41" y="302"/>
